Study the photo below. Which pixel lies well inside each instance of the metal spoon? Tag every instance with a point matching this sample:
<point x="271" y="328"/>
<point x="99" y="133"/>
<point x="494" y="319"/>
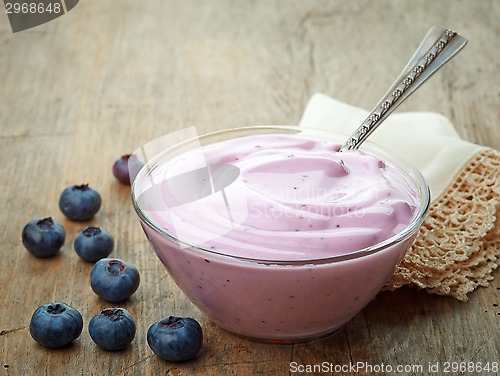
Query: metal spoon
<point x="438" y="46"/>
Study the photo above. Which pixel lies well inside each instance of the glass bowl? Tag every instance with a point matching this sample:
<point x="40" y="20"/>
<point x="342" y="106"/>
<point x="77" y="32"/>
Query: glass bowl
<point x="273" y="299"/>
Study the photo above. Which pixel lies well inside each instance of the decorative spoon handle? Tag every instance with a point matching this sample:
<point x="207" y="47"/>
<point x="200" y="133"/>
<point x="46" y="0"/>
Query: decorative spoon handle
<point x="438" y="46"/>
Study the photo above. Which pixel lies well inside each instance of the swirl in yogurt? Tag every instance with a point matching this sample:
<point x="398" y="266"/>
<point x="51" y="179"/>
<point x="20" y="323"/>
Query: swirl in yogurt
<point x="295" y="198"/>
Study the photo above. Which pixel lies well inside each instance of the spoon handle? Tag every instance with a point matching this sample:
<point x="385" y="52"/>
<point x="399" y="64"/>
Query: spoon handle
<point x="438" y="46"/>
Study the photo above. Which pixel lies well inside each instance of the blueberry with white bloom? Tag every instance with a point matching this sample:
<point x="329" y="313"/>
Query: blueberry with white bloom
<point x="114" y="280"/>
<point x="112" y="329"/>
<point x="93" y="243"/>
<point x="55" y="325"/>
<point x="43" y="237"/>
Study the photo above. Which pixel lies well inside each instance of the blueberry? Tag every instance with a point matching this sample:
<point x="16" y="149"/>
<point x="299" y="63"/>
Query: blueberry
<point x="126" y="168"/>
<point x="79" y="202"/>
<point x="43" y="237"/>
<point x="114" y="280"/>
<point x="112" y="329"/>
<point x="175" y="339"/>
<point x="55" y="325"/>
<point x="93" y="243"/>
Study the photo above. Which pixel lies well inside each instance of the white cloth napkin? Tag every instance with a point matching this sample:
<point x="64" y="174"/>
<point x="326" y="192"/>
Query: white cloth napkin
<point x="458" y="246"/>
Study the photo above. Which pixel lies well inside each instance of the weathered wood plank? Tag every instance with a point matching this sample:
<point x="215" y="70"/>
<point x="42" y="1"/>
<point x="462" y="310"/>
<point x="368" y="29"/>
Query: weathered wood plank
<point x="78" y="92"/>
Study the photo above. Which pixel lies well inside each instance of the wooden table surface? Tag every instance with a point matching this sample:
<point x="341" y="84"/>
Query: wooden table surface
<point x="78" y="92"/>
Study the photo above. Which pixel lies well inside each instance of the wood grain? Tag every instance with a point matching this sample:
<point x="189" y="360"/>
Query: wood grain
<point x="107" y="77"/>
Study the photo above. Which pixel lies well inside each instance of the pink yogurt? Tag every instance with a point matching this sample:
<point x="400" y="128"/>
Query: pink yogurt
<point x="280" y="246"/>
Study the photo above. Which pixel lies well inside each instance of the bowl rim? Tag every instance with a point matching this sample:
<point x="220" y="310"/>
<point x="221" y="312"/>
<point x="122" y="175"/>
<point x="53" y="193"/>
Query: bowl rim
<point x="418" y="180"/>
